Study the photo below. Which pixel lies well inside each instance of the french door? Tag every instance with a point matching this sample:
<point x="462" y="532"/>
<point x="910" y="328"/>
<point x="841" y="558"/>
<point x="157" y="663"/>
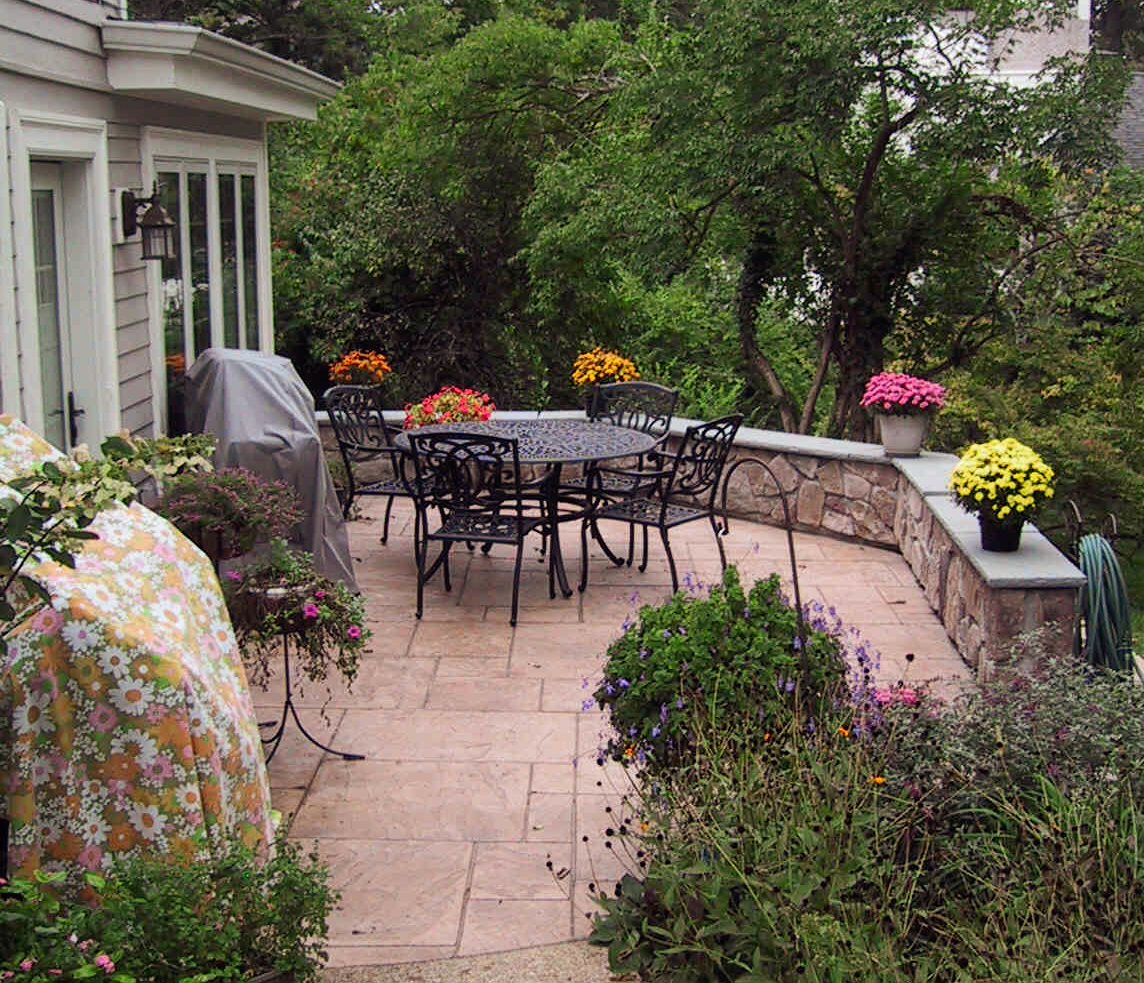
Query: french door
<point x="65" y="388"/>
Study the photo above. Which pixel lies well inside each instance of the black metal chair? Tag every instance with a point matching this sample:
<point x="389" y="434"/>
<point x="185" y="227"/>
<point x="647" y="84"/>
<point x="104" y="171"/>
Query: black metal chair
<point x="476" y="488"/>
<point x="692" y="475"/>
<point x="644" y="406"/>
<point x="355" y="413"/>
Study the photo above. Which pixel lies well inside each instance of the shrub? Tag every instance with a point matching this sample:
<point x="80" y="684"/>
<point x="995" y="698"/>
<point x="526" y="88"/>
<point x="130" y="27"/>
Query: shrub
<point x="727" y="651"/>
<point x="994" y="840"/>
<point x="233" y="505"/>
<point x="164" y="919"/>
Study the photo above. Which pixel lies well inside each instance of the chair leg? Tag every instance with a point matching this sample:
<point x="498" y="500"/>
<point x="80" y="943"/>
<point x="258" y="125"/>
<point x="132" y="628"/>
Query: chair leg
<point x="670" y="560"/>
<point x="663" y="536"/>
<point x="516" y="580"/>
<point x="718" y="542"/>
<point x="599" y="537"/>
<point x="385" y="524"/>
<point x="584" y="523"/>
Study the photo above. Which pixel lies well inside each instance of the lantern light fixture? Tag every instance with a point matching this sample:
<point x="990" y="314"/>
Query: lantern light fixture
<point x="157" y="226"/>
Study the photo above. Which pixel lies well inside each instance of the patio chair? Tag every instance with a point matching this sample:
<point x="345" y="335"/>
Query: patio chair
<point x="684" y="491"/>
<point x="643" y="406"/>
<point x="355" y="413"/>
<point x="476" y="488"/>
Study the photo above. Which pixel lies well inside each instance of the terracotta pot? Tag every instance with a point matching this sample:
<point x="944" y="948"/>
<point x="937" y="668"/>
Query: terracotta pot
<point x="999" y="537"/>
<point x="902" y="434"/>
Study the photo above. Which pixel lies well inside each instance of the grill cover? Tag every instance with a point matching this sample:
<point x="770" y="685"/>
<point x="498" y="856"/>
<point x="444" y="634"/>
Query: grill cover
<point x="263" y="415"/>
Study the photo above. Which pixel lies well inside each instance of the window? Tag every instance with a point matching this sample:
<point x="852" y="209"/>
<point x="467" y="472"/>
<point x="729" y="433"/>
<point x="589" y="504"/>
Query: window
<point x="215" y="292"/>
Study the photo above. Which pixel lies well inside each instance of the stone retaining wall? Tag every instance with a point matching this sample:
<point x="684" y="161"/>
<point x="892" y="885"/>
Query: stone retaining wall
<point x="853" y="491"/>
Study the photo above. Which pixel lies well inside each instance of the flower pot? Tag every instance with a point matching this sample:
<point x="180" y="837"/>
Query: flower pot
<point x="902" y="434"/>
<point x="999" y="537"/>
<point x="250" y="607"/>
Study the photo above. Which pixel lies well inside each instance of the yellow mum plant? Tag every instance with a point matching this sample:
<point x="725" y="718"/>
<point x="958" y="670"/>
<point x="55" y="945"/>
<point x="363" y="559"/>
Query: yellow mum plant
<point x="600" y="365"/>
<point x="360" y="369"/>
<point x="1002" y="479"/>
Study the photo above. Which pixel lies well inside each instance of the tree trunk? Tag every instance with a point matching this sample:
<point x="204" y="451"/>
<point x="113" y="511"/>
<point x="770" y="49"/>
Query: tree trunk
<point x="757" y="265"/>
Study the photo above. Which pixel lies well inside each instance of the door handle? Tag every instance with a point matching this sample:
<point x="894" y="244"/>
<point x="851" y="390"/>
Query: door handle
<point x="74" y="413"/>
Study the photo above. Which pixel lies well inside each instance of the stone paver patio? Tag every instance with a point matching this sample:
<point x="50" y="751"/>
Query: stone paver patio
<point x="480" y="764"/>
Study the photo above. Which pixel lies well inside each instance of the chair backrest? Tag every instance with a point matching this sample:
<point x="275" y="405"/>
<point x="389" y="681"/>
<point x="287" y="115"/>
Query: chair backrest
<point x="699" y="464"/>
<point x="468" y="472"/>
<point x="355" y="413"/>
<point x="645" y="406"/>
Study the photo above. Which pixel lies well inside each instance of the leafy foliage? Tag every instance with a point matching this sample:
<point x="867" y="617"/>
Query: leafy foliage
<point x="281" y="591"/>
<point x="996" y="839"/>
<point x="728" y="650"/>
<point x="163" y="919"/>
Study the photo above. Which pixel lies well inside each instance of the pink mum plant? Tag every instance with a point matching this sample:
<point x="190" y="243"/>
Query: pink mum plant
<point x="898" y="394"/>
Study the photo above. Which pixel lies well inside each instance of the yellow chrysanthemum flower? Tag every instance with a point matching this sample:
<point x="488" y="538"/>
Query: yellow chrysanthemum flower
<point x="1002" y="478"/>
<point x="599" y="365"/>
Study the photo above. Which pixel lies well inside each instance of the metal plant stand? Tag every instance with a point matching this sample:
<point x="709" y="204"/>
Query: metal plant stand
<point x="288" y="708"/>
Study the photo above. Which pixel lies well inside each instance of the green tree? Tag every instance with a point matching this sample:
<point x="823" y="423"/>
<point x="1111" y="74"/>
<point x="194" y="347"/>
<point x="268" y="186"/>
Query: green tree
<point x="841" y="157"/>
<point x="397" y="219"/>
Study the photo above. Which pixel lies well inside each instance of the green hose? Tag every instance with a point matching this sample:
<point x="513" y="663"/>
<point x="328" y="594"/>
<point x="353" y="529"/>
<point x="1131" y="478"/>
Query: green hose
<point x="1104" y="607"/>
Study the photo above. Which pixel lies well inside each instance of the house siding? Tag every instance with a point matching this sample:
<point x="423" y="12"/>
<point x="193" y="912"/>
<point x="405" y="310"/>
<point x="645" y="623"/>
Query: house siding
<point x="52" y="61"/>
<point x="1130" y="130"/>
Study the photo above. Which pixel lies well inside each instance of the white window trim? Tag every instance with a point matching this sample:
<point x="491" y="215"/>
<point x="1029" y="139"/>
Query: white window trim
<point x="9" y="341"/>
<point x="74" y="138"/>
<point x="162" y="144"/>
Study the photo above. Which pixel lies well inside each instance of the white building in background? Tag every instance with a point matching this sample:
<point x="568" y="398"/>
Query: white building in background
<point x="93" y="337"/>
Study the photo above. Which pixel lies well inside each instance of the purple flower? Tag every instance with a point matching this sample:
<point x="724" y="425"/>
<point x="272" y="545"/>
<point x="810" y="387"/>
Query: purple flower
<point x="643" y="653"/>
<point x="666" y="634"/>
<point x="663" y="713"/>
<point x="624" y="684"/>
<point x="587" y="704"/>
<point x="353" y="631"/>
<point x="679" y="703"/>
<point x="655" y="731"/>
<point x="233" y="575"/>
<point x="309" y="610"/>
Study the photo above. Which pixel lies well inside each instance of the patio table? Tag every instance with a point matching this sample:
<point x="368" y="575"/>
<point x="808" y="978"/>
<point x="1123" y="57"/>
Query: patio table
<point x="552" y="444"/>
<point x="126" y="721"/>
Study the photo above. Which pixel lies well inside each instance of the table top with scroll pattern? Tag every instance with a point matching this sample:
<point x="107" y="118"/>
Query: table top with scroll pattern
<point x="552" y="441"/>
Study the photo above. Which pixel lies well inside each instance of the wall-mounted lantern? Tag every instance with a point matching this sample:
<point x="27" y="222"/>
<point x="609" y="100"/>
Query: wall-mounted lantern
<point x="157" y="226"/>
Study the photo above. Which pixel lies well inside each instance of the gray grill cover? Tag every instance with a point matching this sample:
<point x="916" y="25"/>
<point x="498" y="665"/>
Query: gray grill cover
<point x="263" y="416"/>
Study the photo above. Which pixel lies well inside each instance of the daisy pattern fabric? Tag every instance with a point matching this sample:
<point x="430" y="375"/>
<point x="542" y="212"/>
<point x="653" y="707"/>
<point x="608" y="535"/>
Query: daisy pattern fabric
<point x="124" y="705"/>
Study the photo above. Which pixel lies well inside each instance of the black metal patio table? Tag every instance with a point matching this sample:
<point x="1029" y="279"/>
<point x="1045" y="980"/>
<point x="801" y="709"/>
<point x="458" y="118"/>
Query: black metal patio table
<point x="552" y="443"/>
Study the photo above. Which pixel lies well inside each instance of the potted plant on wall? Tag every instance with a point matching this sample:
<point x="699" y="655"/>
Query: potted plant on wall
<point x="449" y="405"/>
<point x="358" y="368"/>
<point x="904" y="406"/>
<point x="280" y="592"/>
<point x="601" y="365"/>
<point x="1004" y="483"/>
<point x="226" y="512"/>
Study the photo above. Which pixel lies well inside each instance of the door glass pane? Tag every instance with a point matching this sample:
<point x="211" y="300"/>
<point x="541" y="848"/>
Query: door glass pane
<point x="174" y="310"/>
<point x="201" y="299"/>
<point x="48" y="316"/>
<point x="228" y="230"/>
<point x="249" y="261"/>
